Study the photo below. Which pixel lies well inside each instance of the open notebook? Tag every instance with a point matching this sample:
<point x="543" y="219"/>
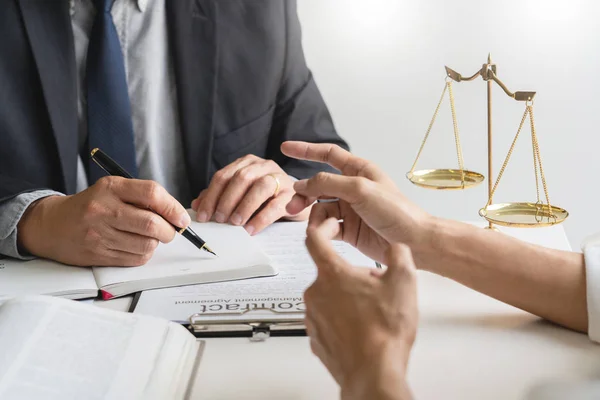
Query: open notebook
<point x="173" y="264"/>
<point x="60" y="349"/>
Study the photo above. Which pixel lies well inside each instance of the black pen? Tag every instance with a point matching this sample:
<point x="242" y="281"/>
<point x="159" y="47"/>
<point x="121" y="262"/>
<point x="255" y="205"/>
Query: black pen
<point x="111" y="167"/>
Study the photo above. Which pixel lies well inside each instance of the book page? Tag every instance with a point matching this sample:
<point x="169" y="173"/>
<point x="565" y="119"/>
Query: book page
<point x="172" y="376"/>
<point x="284" y="244"/>
<point x="180" y="262"/>
<point x="22" y="278"/>
<point x="59" y="349"/>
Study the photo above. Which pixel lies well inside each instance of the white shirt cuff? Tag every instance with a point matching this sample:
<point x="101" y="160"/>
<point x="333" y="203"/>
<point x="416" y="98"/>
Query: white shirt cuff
<point x="591" y="251"/>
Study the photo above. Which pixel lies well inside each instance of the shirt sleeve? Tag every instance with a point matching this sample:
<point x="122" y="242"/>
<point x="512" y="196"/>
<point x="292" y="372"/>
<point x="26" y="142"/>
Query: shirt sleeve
<point x="591" y="250"/>
<point x="11" y="212"/>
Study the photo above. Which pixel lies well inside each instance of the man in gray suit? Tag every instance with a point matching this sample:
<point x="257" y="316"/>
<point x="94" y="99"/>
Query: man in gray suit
<point x="193" y="97"/>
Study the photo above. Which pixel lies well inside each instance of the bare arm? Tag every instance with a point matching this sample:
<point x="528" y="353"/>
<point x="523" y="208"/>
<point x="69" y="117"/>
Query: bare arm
<point x="548" y="283"/>
<point x="373" y="215"/>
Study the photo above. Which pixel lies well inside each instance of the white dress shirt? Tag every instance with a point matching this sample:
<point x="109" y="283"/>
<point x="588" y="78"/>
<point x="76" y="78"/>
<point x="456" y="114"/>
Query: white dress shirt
<point x="591" y="251"/>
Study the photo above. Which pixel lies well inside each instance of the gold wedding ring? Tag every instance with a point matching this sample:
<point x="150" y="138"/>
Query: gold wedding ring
<point x="277" y="183"/>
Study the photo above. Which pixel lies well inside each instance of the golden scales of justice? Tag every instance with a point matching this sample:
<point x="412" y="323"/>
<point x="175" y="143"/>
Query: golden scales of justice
<point x="518" y="214"/>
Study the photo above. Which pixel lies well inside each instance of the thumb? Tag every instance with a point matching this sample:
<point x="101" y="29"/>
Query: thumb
<point x="400" y="287"/>
<point x="401" y="266"/>
<point x="318" y="243"/>
<point x="298" y="203"/>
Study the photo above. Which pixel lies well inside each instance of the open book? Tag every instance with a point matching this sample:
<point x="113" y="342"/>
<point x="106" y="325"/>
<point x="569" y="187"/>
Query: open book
<point x="56" y="349"/>
<point x="173" y="264"/>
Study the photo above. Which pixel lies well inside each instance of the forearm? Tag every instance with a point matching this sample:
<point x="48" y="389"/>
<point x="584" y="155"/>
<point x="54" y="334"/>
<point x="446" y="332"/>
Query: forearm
<point x="383" y="379"/>
<point x="388" y="386"/>
<point x="548" y="283"/>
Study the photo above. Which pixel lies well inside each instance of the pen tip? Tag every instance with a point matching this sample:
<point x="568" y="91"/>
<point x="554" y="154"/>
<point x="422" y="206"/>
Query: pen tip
<point x="209" y="250"/>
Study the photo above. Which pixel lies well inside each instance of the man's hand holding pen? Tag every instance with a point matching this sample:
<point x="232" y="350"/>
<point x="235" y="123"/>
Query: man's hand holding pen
<point x="108" y="224"/>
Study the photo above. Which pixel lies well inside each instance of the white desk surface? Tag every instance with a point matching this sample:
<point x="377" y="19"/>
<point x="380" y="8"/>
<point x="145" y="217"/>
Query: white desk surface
<point x="469" y="346"/>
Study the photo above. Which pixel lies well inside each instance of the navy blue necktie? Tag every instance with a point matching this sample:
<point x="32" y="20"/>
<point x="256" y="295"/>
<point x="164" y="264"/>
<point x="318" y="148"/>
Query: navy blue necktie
<point x="108" y="109"/>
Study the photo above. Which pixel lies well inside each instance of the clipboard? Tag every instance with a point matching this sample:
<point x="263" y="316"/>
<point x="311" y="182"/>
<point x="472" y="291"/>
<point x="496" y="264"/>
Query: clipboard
<point x="243" y="323"/>
<point x="247" y="324"/>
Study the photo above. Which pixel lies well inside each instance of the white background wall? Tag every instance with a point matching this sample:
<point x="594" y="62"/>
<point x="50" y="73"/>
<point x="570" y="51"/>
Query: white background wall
<point x="379" y="64"/>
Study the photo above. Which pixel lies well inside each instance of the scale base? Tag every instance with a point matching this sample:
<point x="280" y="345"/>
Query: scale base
<point x="445" y="179"/>
<point x="523" y="215"/>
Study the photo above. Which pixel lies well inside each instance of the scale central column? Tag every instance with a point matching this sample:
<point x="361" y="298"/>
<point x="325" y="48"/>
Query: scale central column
<point x="489" y="118"/>
<point x="489" y="123"/>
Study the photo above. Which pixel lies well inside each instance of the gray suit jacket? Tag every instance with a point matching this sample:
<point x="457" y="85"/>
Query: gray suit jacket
<point x="242" y="81"/>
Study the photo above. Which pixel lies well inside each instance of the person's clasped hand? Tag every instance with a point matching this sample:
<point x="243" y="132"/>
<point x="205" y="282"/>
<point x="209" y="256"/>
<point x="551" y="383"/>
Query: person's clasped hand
<point x="362" y="323"/>
<point x="250" y="192"/>
<point x="375" y="213"/>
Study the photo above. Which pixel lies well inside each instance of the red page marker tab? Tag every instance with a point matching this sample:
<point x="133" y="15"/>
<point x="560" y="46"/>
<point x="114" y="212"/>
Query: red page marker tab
<point x="106" y="295"/>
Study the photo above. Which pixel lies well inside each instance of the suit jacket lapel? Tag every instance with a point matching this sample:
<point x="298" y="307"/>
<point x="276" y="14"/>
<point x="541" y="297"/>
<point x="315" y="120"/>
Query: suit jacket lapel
<point x="193" y="41"/>
<point x="48" y="26"/>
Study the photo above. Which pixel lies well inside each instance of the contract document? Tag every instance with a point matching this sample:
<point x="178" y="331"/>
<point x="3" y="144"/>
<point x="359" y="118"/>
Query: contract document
<point x="265" y="298"/>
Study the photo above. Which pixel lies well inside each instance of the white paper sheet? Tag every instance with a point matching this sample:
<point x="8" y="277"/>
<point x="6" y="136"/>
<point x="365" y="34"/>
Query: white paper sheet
<point x="284" y="244"/>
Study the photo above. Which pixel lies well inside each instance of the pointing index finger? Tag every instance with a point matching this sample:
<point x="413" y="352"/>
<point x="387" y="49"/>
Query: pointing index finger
<point x="326" y="153"/>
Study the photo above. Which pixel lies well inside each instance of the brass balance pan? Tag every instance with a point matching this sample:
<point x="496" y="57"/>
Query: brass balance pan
<point x="445" y="179"/>
<point x="524" y="215"/>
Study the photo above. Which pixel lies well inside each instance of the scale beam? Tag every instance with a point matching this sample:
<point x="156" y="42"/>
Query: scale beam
<point x="452" y="74"/>
<point x="488" y="72"/>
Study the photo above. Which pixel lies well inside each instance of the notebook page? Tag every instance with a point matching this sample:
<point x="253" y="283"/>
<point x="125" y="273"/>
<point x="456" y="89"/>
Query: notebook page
<point x="22" y="278"/>
<point x="284" y="244"/>
<point x="64" y="350"/>
<point x="180" y="258"/>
